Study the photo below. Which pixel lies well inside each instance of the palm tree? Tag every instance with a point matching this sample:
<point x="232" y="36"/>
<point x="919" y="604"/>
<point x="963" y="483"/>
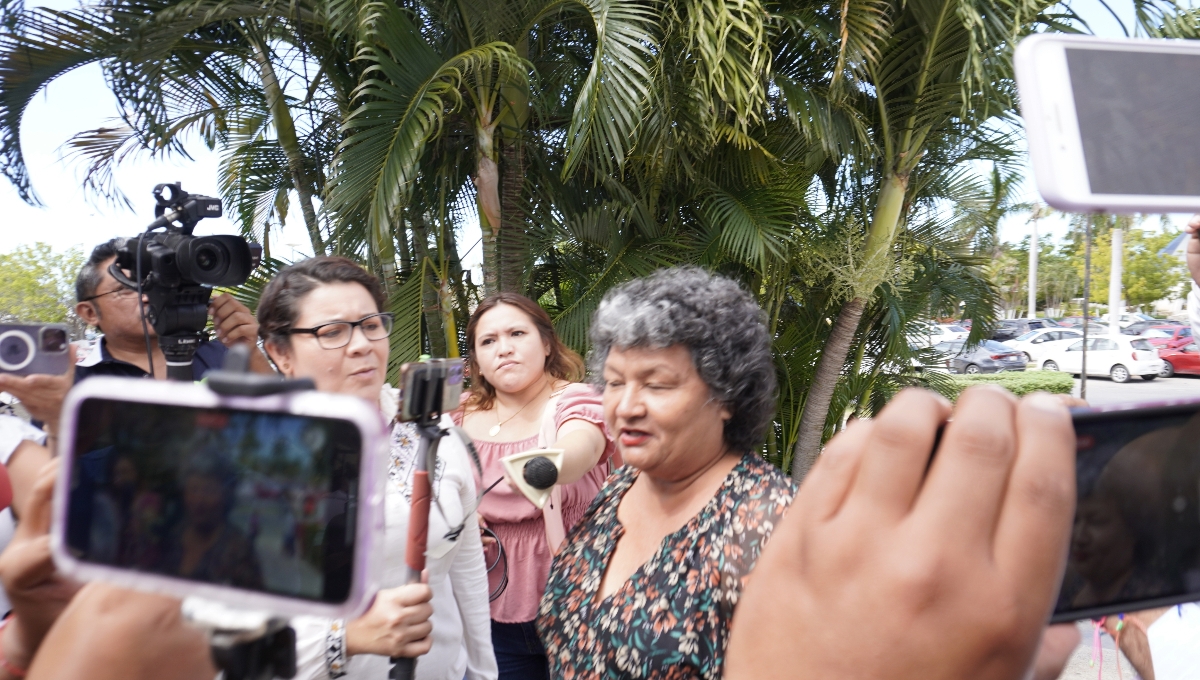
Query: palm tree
<point x="520" y="82"/>
<point x="184" y="68"/>
<point x="901" y="92"/>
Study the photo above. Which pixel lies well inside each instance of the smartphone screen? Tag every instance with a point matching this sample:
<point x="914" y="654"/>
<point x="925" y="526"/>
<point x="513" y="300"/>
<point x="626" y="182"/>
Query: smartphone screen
<point x="1135" y="542"/>
<point x="259" y="501"/>
<point x="1136" y="113"/>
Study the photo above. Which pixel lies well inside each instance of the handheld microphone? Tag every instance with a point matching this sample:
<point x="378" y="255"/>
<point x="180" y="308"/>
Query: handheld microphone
<point x="533" y="473"/>
<point x="541" y="473"/>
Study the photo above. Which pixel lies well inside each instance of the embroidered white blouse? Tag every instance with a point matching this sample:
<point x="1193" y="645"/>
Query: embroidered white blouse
<point x="462" y="636"/>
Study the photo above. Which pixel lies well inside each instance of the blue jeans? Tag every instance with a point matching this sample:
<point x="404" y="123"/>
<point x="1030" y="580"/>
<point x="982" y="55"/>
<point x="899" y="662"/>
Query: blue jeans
<point x="519" y="651"/>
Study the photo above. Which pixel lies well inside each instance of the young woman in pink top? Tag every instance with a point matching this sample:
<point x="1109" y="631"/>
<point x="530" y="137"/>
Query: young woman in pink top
<point x="522" y="376"/>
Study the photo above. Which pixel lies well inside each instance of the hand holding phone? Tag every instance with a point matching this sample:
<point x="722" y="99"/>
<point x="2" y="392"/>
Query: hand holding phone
<point x="267" y="503"/>
<point x="951" y="571"/>
<point x="1135" y="543"/>
<point x="42" y="394"/>
<point x="143" y="637"/>
<point x="36" y="589"/>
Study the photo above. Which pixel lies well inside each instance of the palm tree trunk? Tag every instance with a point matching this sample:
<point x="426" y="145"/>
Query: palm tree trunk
<point x="285" y="130"/>
<point x="880" y="237"/>
<point x="454" y="264"/>
<point x="487" y="200"/>
<point x="430" y="302"/>
<point x="512" y="216"/>
<point x="449" y="327"/>
<point x="820" y="393"/>
<point x="406" y="261"/>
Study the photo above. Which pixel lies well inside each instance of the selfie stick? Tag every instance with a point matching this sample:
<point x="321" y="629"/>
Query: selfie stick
<point x="427" y="399"/>
<point x="246" y="645"/>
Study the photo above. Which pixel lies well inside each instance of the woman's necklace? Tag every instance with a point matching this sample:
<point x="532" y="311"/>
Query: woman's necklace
<point x="500" y="423"/>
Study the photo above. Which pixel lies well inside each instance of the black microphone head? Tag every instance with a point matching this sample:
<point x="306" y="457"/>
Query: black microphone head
<point x="540" y="472"/>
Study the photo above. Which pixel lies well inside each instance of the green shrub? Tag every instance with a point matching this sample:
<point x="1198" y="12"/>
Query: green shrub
<point x="1020" y="383"/>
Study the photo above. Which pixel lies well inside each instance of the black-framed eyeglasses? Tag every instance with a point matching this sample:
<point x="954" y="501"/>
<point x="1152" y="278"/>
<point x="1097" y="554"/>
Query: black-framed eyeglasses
<point x="336" y="334"/>
<point x="121" y="293"/>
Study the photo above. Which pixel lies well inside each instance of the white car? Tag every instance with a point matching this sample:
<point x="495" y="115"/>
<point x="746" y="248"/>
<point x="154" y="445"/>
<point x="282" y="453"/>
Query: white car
<point x="929" y="334"/>
<point x="1037" y="342"/>
<point x="1117" y="356"/>
<point x="946" y="332"/>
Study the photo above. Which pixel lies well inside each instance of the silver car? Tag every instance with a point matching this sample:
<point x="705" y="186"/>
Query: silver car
<point x="988" y="356"/>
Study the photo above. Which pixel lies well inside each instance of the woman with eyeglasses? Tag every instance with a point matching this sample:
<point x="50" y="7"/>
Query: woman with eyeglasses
<point x="322" y="319"/>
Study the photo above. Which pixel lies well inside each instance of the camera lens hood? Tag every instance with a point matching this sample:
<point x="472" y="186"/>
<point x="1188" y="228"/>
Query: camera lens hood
<point x="221" y="260"/>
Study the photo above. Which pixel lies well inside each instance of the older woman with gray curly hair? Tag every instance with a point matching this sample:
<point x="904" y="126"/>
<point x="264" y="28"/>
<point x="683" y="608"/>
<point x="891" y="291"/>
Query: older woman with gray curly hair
<point x="646" y="585"/>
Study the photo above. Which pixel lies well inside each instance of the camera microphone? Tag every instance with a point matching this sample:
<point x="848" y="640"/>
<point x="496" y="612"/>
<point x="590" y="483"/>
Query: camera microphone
<point x="540" y="472"/>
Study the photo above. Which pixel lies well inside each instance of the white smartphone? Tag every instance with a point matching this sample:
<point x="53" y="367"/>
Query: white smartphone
<point x="1111" y="123"/>
<point x="267" y="504"/>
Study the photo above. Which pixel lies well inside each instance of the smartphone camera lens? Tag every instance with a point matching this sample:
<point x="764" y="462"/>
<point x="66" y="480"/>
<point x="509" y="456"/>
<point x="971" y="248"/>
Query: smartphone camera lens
<point x="16" y="350"/>
<point x="54" y="340"/>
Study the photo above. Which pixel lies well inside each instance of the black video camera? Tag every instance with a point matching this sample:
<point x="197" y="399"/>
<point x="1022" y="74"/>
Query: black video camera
<point x="177" y="271"/>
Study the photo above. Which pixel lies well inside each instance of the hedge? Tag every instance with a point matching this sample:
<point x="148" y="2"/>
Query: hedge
<point x="1019" y="383"/>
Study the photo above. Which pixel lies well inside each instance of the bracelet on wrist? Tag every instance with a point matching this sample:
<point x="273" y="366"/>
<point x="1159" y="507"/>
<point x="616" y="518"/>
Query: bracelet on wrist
<point x="8" y="666"/>
<point x="335" y="649"/>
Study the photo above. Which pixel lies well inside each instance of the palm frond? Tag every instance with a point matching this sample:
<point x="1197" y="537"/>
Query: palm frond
<point x="45" y="45"/>
<point x="405" y="342"/>
<point x="406" y="94"/>
<point x="612" y="98"/>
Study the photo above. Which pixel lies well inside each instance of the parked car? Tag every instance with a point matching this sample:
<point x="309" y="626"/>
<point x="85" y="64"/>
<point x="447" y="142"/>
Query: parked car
<point x="1141" y="327"/>
<point x="950" y="333"/>
<point x="930" y="334"/>
<point x="1094" y="330"/>
<point x="1185" y="359"/>
<point x="1168" y="336"/>
<point x="1008" y="329"/>
<point x="1035" y="343"/>
<point x="1077" y="321"/>
<point x="988" y="356"/>
<point x="1117" y="356"/>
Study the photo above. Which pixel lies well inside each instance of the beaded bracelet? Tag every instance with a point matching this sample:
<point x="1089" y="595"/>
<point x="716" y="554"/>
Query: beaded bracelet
<point x="7" y="665"/>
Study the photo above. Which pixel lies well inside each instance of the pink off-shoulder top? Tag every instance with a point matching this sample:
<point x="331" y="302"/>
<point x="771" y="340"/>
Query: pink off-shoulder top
<point x="519" y="524"/>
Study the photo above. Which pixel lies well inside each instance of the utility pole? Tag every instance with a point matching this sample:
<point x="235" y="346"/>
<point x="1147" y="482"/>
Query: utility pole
<point x="1087" y="286"/>
<point x="1116" y="273"/>
<point x="1033" y="264"/>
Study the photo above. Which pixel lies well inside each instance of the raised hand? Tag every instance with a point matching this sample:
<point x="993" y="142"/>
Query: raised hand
<point x="881" y="570"/>
<point x="38" y="593"/>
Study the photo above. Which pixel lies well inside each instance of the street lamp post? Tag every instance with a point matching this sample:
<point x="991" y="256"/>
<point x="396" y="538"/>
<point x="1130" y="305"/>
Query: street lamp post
<point x="1087" y="285"/>
<point x="1116" y="272"/>
<point x="1033" y="266"/>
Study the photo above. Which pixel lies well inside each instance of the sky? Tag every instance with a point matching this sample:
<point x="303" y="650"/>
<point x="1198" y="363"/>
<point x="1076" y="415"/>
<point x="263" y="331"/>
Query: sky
<point x="80" y="101"/>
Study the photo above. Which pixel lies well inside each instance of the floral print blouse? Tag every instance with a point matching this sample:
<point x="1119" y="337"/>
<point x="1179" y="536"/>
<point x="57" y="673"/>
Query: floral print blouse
<point x="671" y="618"/>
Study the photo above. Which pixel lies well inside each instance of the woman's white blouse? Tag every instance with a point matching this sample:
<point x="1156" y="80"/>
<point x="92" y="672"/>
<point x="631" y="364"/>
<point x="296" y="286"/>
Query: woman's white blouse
<point x="462" y="636"/>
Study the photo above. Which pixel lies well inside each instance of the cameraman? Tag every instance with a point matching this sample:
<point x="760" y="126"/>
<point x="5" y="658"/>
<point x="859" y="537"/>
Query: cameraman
<point x="121" y="350"/>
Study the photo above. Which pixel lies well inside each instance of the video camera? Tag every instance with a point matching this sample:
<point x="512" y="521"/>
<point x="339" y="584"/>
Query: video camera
<point x="177" y="271"/>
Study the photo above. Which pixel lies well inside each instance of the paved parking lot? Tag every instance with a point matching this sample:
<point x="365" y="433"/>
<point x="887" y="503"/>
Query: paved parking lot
<point x="1104" y="391"/>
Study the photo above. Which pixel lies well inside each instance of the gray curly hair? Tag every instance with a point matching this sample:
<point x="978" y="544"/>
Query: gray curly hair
<point x="714" y="318"/>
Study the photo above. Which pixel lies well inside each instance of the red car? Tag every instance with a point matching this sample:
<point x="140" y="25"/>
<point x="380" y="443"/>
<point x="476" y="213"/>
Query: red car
<point x="1185" y="359"/>
<point x="1168" y="336"/>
